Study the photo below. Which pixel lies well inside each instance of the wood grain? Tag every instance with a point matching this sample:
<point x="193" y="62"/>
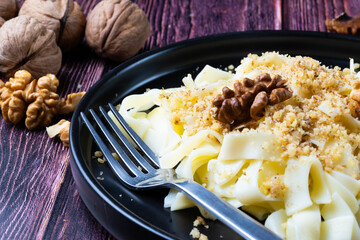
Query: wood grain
<point x="310" y="15"/>
<point x="38" y="197"/>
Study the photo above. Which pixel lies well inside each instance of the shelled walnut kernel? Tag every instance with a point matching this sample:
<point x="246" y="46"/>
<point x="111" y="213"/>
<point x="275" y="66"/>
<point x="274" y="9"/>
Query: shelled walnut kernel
<point x="246" y="103"/>
<point x="60" y="129"/>
<point x="37" y="99"/>
<point x="344" y="24"/>
<point x="13" y="96"/>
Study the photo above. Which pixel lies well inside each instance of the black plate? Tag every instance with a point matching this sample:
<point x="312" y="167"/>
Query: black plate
<point x="131" y="215"/>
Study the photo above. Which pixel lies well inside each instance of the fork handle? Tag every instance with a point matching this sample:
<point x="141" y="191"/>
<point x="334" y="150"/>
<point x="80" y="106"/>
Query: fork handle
<point x="237" y="220"/>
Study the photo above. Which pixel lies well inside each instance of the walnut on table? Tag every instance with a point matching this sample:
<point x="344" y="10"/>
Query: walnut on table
<point x="344" y="24"/>
<point x="64" y="17"/>
<point x="26" y="44"/>
<point x="117" y="29"/>
<point x="60" y="129"/>
<point x="37" y="99"/>
<point x="246" y="103"/>
<point x="8" y="9"/>
<point x="44" y="102"/>
<point x="12" y="102"/>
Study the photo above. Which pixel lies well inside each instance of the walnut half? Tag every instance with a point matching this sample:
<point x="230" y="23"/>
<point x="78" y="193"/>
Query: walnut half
<point x="246" y="103"/>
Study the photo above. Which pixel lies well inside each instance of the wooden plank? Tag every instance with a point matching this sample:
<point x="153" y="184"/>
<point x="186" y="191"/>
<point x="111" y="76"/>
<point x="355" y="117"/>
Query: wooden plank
<point x="38" y="195"/>
<point x="310" y="15"/>
<point x="70" y="218"/>
<point x="171" y="21"/>
<point x="34" y="167"/>
<point x="232" y="16"/>
<point x="305" y="15"/>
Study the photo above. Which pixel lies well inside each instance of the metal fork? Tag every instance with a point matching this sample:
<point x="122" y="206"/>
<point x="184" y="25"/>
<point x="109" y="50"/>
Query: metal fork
<point x="142" y="171"/>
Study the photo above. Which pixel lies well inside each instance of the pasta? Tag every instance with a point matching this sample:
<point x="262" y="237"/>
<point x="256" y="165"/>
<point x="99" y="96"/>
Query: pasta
<point x="297" y="168"/>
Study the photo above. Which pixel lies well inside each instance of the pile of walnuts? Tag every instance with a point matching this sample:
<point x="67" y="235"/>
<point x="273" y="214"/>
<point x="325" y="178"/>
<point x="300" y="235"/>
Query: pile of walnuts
<point x="43" y="29"/>
<point x="33" y="38"/>
<point x="35" y="99"/>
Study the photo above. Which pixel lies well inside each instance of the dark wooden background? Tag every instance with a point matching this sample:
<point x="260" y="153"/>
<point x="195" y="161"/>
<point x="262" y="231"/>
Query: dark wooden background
<point x="38" y="197"/>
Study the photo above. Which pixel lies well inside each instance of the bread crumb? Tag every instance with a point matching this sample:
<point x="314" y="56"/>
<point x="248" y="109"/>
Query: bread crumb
<point x="203" y="237"/>
<point x="98" y="154"/>
<point x="200" y="221"/>
<point x="318" y="114"/>
<point x="101" y="160"/>
<point x="195" y="233"/>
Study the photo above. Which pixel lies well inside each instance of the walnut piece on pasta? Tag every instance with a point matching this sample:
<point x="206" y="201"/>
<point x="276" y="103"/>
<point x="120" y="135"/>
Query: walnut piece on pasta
<point x="249" y="98"/>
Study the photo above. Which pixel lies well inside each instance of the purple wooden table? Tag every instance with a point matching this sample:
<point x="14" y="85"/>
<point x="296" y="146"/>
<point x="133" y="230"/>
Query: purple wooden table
<point x="38" y="197"/>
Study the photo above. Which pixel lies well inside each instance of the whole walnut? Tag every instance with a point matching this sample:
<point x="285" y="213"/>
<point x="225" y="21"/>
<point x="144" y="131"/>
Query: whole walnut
<point x="64" y="17"/>
<point x="8" y="9"/>
<point x="117" y="29"/>
<point x="27" y="44"/>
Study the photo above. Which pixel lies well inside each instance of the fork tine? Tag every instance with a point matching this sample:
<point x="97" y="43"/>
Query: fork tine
<point x="129" y="164"/>
<point x="138" y="141"/>
<point x="140" y="160"/>
<point x="115" y="166"/>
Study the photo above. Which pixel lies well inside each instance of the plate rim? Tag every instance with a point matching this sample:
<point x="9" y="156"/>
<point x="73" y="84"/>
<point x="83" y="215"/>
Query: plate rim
<point x="75" y="161"/>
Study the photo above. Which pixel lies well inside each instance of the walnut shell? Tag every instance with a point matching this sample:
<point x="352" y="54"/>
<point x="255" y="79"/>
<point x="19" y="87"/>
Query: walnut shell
<point x="64" y="17"/>
<point x="2" y="21"/>
<point x="8" y="9"/>
<point x="117" y="29"/>
<point x="27" y="44"/>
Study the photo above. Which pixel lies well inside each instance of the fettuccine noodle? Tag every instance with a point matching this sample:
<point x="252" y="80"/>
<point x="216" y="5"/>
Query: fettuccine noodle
<point x="298" y="169"/>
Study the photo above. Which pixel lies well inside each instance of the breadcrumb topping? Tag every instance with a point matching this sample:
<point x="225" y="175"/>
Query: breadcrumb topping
<point x="315" y="121"/>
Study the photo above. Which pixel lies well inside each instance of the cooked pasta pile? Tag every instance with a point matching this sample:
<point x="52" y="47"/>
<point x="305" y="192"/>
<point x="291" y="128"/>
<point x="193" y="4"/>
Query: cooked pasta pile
<point x="297" y="169"/>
